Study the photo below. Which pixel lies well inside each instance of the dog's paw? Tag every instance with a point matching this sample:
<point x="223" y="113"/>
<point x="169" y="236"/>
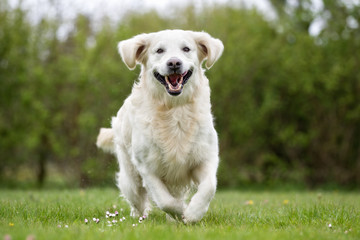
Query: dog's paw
<point x="173" y="208"/>
<point x="147" y="211"/>
<point x="134" y="213"/>
<point x="193" y="214"/>
<point x="188" y="221"/>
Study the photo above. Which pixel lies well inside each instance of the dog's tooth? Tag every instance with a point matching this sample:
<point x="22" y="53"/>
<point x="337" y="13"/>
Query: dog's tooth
<point x="177" y="87"/>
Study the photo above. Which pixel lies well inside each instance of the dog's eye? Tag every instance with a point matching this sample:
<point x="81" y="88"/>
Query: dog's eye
<point x="186" y="49"/>
<point x="160" y="50"/>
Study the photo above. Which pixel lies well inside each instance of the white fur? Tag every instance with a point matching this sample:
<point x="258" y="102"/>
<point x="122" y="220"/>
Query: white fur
<point x="166" y="144"/>
<point x="105" y="140"/>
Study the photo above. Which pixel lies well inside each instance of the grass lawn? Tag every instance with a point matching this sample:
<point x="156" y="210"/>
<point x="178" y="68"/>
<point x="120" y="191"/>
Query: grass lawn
<point x="232" y="215"/>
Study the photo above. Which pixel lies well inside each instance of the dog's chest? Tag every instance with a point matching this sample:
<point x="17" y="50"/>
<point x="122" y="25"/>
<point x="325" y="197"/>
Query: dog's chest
<point x="175" y="132"/>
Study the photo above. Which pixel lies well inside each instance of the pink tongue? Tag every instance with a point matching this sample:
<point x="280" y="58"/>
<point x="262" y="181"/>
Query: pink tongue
<point x="174" y="79"/>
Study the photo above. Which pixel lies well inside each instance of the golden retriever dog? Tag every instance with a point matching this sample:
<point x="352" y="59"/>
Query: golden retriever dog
<point x="163" y="135"/>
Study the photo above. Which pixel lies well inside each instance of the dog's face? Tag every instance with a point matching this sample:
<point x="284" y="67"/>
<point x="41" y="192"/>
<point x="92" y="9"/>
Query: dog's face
<point x="171" y="58"/>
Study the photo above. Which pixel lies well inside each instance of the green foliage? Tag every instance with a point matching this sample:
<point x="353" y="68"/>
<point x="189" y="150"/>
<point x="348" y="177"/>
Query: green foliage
<point x="286" y="104"/>
<point x="272" y="215"/>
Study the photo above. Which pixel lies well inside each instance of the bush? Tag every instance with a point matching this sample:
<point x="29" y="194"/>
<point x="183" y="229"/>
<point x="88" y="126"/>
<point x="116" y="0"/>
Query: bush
<point x="285" y="103"/>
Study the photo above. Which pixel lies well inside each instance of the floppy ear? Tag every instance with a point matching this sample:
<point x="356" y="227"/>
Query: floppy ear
<point x="133" y="50"/>
<point x="209" y="48"/>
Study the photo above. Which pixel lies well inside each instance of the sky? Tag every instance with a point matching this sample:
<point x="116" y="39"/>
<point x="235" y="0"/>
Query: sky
<point x="67" y="10"/>
<point x="115" y="9"/>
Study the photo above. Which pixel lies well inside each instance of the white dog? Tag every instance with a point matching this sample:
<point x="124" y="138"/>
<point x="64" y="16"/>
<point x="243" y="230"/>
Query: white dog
<point x="163" y="135"/>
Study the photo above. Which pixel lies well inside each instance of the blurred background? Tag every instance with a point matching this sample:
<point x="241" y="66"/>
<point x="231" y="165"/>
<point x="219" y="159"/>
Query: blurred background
<point x="285" y="92"/>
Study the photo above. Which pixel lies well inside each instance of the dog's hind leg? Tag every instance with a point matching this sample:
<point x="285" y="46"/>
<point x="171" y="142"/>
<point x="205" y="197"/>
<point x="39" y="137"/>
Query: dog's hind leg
<point x="130" y="185"/>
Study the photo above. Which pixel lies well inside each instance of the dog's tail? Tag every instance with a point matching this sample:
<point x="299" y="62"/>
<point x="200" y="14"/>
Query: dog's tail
<point x="105" y="140"/>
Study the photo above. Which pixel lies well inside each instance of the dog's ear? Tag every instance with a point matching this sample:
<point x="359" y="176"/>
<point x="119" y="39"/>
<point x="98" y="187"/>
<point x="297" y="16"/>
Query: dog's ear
<point x="133" y="50"/>
<point x="210" y="49"/>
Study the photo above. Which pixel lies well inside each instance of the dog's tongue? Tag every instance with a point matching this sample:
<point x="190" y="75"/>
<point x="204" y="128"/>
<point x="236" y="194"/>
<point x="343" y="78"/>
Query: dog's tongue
<point x="174" y="79"/>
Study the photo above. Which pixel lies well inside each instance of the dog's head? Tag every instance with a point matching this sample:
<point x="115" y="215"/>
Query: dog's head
<point x="170" y="59"/>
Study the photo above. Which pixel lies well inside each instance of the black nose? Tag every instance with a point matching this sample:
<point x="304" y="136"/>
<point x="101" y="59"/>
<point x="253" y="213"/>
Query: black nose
<point x="174" y="64"/>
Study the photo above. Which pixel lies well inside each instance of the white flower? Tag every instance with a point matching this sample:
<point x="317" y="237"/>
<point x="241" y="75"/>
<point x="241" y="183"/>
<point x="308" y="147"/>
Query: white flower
<point x="86" y="221"/>
<point x="66" y="226"/>
<point x="330" y="226"/>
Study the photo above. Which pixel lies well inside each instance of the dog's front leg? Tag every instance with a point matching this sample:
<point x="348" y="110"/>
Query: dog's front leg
<point x="161" y="196"/>
<point x="205" y="176"/>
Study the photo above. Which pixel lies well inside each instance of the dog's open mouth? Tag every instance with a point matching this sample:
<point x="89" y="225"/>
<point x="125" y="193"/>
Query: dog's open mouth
<point x="174" y="83"/>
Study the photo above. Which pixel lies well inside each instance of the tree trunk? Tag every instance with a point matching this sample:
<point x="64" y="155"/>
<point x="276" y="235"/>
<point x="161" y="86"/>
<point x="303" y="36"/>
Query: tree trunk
<point x="43" y="156"/>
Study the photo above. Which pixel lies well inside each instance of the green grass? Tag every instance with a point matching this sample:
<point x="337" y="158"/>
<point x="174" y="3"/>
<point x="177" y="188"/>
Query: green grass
<point x="305" y="216"/>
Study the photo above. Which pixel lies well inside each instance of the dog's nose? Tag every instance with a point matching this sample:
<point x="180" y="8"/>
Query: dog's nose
<point x="174" y="63"/>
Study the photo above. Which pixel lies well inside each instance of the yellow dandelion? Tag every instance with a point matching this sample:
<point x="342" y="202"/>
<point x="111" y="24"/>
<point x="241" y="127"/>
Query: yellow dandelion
<point x="11" y="224"/>
<point x="285" y="201"/>
<point x="249" y="202"/>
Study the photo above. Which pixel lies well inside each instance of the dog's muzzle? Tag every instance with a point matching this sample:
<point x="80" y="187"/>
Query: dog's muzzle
<point x="175" y="82"/>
